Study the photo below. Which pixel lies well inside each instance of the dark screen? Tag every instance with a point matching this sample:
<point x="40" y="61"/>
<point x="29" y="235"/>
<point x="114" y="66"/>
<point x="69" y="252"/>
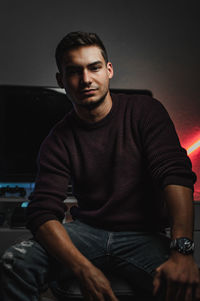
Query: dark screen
<point x="27" y="114"/>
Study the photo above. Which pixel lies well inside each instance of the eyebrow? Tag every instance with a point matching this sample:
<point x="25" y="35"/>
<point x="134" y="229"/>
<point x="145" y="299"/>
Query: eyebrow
<point x="79" y="66"/>
<point x="96" y="63"/>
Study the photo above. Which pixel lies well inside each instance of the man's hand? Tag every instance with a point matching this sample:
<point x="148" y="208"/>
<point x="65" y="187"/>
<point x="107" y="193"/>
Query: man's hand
<point x="180" y="278"/>
<point x="94" y="285"/>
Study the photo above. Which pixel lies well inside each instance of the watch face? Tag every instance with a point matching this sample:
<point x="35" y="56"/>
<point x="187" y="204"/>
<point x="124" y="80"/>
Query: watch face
<point x="185" y="245"/>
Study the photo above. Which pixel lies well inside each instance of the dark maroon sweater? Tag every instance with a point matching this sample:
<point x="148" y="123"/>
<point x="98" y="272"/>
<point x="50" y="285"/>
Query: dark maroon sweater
<point x="118" y="167"/>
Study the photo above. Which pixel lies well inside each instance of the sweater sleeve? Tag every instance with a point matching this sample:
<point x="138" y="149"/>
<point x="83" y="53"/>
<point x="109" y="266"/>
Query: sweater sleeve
<point x="51" y="184"/>
<point x="167" y="161"/>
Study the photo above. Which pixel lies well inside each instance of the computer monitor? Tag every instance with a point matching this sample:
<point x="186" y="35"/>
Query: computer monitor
<point x="27" y="115"/>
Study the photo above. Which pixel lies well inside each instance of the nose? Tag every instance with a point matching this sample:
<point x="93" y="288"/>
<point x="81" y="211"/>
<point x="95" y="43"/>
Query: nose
<point x="86" y="77"/>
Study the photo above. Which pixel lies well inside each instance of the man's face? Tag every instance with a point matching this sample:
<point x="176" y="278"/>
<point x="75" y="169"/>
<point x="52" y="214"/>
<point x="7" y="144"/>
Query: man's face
<point x="85" y="75"/>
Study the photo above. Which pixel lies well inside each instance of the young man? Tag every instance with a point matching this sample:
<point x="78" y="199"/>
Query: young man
<point x="125" y="162"/>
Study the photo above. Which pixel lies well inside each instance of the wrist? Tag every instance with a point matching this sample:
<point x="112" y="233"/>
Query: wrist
<point x="182" y="245"/>
<point x="79" y="267"/>
<point x="175" y="255"/>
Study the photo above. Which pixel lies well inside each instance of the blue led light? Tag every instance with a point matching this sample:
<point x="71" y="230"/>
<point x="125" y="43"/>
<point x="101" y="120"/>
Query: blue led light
<point x="24" y="204"/>
<point x="28" y="185"/>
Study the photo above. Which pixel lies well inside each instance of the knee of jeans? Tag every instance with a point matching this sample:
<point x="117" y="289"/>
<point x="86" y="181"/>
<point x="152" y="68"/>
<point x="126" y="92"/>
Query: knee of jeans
<point x="15" y="252"/>
<point x="7" y="260"/>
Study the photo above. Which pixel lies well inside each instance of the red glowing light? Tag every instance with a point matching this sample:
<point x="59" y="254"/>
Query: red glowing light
<point x="193" y="150"/>
<point x="193" y="147"/>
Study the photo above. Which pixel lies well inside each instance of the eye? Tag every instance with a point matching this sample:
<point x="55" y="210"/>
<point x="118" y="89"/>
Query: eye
<point x="72" y="71"/>
<point x="69" y="72"/>
<point x="95" y="68"/>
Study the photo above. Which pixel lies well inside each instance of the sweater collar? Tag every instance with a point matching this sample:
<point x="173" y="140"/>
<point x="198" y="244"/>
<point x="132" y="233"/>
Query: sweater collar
<point x="84" y="124"/>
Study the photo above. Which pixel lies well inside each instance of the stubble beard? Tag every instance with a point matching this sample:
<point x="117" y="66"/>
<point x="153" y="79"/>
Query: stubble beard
<point x="94" y="104"/>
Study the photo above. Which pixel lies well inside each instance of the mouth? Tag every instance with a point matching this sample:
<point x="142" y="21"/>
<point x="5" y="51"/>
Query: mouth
<point x="88" y="91"/>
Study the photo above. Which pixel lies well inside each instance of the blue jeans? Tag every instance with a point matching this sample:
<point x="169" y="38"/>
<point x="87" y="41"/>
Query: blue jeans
<point x="27" y="268"/>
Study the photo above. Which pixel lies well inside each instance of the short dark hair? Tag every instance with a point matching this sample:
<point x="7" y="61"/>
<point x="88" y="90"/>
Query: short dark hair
<point x="77" y="39"/>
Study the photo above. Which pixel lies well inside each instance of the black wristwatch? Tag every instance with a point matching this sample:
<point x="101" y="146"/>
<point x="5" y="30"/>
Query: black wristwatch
<point x="183" y="245"/>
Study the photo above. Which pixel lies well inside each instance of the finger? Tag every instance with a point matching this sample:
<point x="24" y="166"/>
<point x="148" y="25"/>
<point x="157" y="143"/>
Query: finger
<point x="197" y="293"/>
<point x="184" y="293"/>
<point x="171" y="291"/>
<point x="156" y="283"/>
<point x="106" y="294"/>
<point x="99" y="297"/>
<point x="112" y="296"/>
<point x="189" y="293"/>
<point x="109" y="295"/>
<point x="86" y="294"/>
<point x="94" y="297"/>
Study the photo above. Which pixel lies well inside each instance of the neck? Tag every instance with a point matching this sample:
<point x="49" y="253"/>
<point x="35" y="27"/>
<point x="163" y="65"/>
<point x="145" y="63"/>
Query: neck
<point x="95" y="114"/>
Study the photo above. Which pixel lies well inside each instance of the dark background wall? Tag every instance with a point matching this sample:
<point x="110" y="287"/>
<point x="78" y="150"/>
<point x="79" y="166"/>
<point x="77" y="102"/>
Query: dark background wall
<point x="153" y="45"/>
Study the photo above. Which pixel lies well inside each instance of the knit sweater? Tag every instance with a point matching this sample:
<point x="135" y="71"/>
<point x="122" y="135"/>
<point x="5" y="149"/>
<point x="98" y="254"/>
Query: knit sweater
<point x="118" y="167"/>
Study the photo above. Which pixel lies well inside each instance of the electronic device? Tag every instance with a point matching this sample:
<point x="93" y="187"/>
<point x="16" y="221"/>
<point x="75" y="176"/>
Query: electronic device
<point x="27" y="114"/>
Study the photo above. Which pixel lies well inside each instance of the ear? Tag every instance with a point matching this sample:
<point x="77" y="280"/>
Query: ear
<point x="59" y="80"/>
<point x="110" y="70"/>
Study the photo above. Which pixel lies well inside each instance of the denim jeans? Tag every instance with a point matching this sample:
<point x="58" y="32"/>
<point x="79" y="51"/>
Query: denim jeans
<point x="27" y="268"/>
